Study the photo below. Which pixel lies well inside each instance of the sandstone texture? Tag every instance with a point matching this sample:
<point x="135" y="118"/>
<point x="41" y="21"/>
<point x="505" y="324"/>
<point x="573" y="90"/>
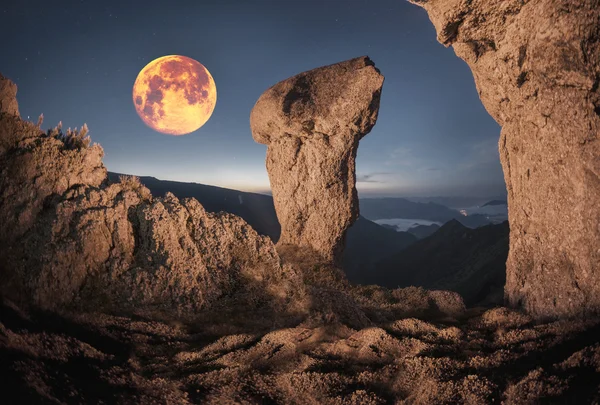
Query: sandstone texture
<point x="536" y="65"/>
<point x="70" y="239"/>
<point x="312" y="124"/>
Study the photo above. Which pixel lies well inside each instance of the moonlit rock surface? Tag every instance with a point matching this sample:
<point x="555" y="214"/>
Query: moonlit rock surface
<point x="537" y="69"/>
<point x="69" y="239"/>
<point x="312" y="123"/>
<point x="8" y="97"/>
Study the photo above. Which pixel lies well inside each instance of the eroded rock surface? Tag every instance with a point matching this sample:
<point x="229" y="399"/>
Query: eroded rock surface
<point x="69" y="239"/>
<point x="537" y="69"/>
<point x="8" y="97"/>
<point x="312" y="123"/>
<point x="500" y="356"/>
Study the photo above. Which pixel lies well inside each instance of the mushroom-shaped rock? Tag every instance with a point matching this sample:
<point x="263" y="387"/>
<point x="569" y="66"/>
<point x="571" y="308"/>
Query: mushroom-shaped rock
<point x="312" y="123"/>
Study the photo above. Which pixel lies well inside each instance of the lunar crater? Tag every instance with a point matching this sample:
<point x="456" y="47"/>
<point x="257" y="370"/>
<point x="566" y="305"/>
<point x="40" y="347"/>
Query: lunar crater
<point x="174" y="95"/>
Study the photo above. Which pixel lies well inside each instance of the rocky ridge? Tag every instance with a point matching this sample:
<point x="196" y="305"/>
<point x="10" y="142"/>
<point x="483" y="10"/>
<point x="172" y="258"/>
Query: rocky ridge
<point x="134" y="289"/>
<point x="70" y="239"/>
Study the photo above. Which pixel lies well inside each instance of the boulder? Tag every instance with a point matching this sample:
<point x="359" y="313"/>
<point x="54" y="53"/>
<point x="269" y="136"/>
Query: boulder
<point x="312" y="124"/>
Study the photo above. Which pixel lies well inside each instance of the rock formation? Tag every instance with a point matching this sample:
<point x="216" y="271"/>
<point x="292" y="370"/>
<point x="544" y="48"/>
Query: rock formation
<point x="500" y="356"/>
<point x="8" y="97"/>
<point x="537" y="69"/>
<point x="74" y="242"/>
<point x="312" y="123"/>
<point x="69" y="239"/>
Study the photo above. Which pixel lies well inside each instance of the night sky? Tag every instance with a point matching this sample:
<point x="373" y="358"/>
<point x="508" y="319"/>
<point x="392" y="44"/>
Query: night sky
<point x="76" y="62"/>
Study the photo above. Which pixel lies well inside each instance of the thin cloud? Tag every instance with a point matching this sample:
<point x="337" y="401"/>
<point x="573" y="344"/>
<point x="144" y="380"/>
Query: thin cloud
<point x="371" y="177"/>
<point x="404" y="160"/>
<point x="400" y="157"/>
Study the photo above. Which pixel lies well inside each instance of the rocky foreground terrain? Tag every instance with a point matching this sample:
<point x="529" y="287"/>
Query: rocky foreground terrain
<point x="490" y="357"/>
<point x="112" y="295"/>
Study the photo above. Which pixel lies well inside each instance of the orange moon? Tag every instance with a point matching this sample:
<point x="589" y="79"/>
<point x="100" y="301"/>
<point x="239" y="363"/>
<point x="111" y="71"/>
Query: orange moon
<point x="174" y="95"/>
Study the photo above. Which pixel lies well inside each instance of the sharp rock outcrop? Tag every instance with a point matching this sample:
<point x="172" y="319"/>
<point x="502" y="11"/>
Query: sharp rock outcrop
<point x="70" y="239"/>
<point x="312" y="124"/>
<point x="8" y="97"/>
<point x="537" y="69"/>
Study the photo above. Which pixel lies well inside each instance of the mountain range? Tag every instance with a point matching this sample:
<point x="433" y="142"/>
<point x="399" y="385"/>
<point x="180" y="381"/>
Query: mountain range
<point x="390" y="208"/>
<point x="457" y="202"/>
<point x="423" y="231"/>
<point x="452" y="257"/>
<point x="366" y="241"/>
<point x="468" y="261"/>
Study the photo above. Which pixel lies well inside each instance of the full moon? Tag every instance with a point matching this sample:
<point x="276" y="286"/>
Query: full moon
<point x="174" y="95"/>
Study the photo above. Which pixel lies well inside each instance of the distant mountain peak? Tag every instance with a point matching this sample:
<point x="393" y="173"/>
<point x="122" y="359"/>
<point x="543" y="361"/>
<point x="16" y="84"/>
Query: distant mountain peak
<point x="453" y="223"/>
<point x="452" y="227"/>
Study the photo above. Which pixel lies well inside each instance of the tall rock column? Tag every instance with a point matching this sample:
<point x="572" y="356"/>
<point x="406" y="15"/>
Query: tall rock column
<point x="312" y="123"/>
<point x="537" y="69"/>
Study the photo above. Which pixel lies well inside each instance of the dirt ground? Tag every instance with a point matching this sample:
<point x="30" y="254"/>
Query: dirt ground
<point x="496" y="356"/>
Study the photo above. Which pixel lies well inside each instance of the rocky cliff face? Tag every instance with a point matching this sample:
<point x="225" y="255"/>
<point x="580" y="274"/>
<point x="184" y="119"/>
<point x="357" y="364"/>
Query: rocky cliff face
<point x="70" y="239"/>
<point x="8" y="97"/>
<point x="537" y="69"/>
<point x="312" y="123"/>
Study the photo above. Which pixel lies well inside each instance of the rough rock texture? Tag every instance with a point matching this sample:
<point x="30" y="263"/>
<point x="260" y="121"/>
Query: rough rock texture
<point x="499" y="356"/>
<point x="537" y="69"/>
<point x="112" y="249"/>
<point x="8" y="97"/>
<point x="35" y="169"/>
<point x="312" y="123"/>
<point x="69" y="239"/>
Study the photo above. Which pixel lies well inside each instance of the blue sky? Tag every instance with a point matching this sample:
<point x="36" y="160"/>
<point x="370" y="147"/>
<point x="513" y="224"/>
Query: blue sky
<point x="76" y="62"/>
